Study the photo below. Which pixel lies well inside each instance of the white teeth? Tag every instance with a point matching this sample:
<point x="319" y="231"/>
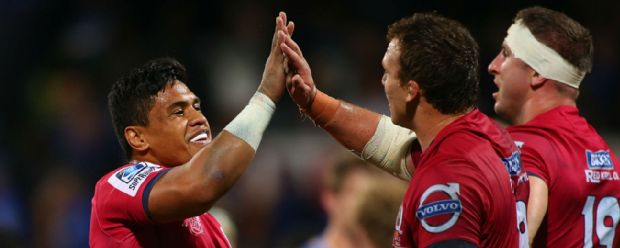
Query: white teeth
<point x="199" y="137"/>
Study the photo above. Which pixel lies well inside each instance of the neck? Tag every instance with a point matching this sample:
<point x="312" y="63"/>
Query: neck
<point x="144" y="158"/>
<point x="541" y="101"/>
<point x="428" y="122"/>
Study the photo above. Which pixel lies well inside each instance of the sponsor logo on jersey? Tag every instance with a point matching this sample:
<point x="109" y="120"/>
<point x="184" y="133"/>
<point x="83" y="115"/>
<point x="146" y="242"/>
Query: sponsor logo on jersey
<point x="128" y="174"/>
<point x="129" y="179"/>
<point x="600" y="167"/>
<point x="194" y="225"/>
<point x="600" y="160"/>
<point x="440" y="207"/>
<point x="596" y="176"/>
<point x="513" y="163"/>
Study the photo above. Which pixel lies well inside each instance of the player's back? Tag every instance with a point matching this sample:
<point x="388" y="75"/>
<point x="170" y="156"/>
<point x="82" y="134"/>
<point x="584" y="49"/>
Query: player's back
<point x="461" y="189"/>
<point x="582" y="176"/>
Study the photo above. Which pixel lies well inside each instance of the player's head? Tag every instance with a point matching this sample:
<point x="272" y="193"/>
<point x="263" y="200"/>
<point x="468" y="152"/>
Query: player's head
<point x="543" y="49"/>
<point x="155" y="116"/>
<point x="431" y="57"/>
<point x="341" y="182"/>
<point x="372" y="217"/>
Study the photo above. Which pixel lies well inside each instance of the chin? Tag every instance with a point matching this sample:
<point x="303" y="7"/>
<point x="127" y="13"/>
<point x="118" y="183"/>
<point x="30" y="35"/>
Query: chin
<point x="396" y="120"/>
<point x="498" y="108"/>
<point x="501" y="112"/>
<point x="393" y="120"/>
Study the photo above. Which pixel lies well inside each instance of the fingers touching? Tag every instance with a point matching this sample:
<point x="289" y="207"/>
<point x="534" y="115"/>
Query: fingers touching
<point x="299" y="83"/>
<point x="294" y="56"/>
<point x="290" y="27"/>
<point x="283" y="25"/>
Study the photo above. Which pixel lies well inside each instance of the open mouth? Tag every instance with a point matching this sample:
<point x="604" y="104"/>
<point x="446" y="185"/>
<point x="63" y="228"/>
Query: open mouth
<point x="201" y="139"/>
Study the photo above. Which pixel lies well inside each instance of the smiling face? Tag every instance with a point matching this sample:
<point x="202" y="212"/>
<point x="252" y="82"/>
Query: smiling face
<point x="395" y="92"/>
<point x="513" y="79"/>
<point x="177" y="128"/>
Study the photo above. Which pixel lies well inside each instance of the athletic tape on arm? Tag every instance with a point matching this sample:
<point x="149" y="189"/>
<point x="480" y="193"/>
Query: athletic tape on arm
<point x="544" y="60"/>
<point x="250" y="124"/>
<point x="389" y="148"/>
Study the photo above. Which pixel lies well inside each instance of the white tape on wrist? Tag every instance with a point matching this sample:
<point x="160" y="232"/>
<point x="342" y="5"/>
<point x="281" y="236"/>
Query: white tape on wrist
<point x="389" y="147"/>
<point x="544" y="60"/>
<point x="250" y="124"/>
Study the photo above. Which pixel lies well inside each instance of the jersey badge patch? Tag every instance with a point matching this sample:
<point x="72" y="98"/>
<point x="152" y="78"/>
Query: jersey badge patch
<point x="129" y="179"/>
<point x="513" y="163"/>
<point x="194" y="225"/>
<point x="600" y="167"/>
<point x="440" y="207"/>
<point x="600" y="160"/>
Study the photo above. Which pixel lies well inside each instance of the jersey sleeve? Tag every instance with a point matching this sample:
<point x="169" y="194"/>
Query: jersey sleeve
<point x="122" y="196"/>
<point x="452" y="204"/>
<point x="536" y="154"/>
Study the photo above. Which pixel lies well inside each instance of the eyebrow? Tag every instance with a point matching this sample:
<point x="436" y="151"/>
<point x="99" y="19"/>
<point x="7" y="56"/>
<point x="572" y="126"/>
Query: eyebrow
<point x="183" y="104"/>
<point x="506" y="48"/>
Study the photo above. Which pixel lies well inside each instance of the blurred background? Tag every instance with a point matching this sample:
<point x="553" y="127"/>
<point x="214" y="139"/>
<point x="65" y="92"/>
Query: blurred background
<point x="59" y="58"/>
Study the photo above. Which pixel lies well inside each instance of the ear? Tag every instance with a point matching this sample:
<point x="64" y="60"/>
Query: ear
<point x="413" y="90"/>
<point x="537" y="80"/>
<point x="328" y="202"/>
<point x="135" y="137"/>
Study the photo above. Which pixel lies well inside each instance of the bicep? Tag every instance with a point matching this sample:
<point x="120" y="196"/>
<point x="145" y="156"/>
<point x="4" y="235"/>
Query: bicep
<point x="537" y="205"/>
<point x="192" y="188"/>
<point x="168" y="194"/>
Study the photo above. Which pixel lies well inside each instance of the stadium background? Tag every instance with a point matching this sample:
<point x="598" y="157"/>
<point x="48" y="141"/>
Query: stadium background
<point x="59" y="58"/>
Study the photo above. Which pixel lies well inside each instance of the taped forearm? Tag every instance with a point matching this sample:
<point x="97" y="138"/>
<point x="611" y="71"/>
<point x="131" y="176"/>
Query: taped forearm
<point x="250" y="124"/>
<point x="389" y="148"/>
<point x="350" y="125"/>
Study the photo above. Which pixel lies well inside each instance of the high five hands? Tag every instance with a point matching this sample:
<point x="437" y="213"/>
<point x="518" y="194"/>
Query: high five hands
<point x="272" y="83"/>
<point x="299" y="82"/>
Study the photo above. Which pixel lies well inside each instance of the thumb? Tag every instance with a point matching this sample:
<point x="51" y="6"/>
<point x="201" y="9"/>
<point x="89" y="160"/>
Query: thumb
<point x="298" y="82"/>
<point x="304" y="91"/>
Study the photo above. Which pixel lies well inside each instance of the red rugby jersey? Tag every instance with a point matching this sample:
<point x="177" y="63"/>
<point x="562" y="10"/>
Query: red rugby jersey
<point x="562" y="149"/>
<point x="461" y="188"/>
<point x="119" y="214"/>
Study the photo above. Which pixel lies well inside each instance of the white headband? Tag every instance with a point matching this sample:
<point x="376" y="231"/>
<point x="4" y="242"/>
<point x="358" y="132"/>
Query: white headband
<point x="544" y="60"/>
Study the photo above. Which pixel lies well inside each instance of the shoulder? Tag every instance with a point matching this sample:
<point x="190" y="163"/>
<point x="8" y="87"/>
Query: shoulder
<point x="528" y="131"/>
<point x="461" y="143"/>
<point x="119" y="188"/>
<point x="120" y="195"/>
<point x="533" y="140"/>
<point x="129" y="178"/>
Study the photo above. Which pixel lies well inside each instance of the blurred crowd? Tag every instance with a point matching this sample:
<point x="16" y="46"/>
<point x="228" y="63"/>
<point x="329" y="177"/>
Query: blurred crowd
<point x="59" y="58"/>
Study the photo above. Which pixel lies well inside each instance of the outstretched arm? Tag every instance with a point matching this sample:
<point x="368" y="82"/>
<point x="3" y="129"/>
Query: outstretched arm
<point x="191" y="189"/>
<point x="367" y="133"/>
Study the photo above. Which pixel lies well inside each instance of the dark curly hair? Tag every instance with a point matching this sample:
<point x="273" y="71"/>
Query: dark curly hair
<point x="131" y="97"/>
<point x="442" y="57"/>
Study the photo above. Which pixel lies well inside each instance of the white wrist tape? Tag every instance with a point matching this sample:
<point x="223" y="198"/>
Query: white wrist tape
<point x="544" y="60"/>
<point x="250" y="124"/>
<point x="389" y="148"/>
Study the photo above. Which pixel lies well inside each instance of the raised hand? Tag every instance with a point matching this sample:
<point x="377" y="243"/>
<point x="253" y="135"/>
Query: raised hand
<point x="273" y="81"/>
<point x="299" y="82"/>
